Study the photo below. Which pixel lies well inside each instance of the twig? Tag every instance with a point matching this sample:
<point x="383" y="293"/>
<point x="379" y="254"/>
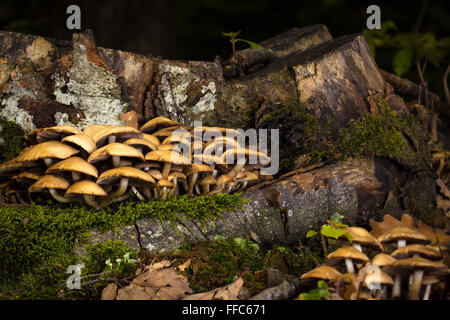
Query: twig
<point x="445" y="78"/>
<point x="300" y="247"/>
<point x="423" y="9"/>
<point x="325" y="253"/>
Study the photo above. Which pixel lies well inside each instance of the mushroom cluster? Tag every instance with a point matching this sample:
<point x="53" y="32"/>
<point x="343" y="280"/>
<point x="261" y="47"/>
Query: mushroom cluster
<point x="413" y="266"/>
<point x="104" y="164"/>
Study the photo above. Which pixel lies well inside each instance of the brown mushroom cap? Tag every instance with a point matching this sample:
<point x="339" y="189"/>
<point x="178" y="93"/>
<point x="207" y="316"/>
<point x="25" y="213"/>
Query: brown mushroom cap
<point x="323" y="273"/>
<point x="417" y="263"/>
<point x="176" y="175"/>
<point x="52" y="133"/>
<point x="81" y="140"/>
<point x="158" y="122"/>
<point x="48" y="149"/>
<point x="166" y="156"/>
<point x="348" y="252"/>
<point x="155" y="174"/>
<point x="49" y="181"/>
<point x="246" y="154"/>
<point x="151" y="138"/>
<point x="101" y="135"/>
<point x="76" y="164"/>
<point x="145" y="145"/>
<point x="12" y="165"/>
<point x="416" y="249"/>
<point x="165" y="183"/>
<point x="383" y="259"/>
<point x="85" y="187"/>
<point x="169" y="147"/>
<point x="115" y="149"/>
<point x="383" y="279"/>
<point x="27" y="177"/>
<point x="136" y="176"/>
<point x="208" y="180"/>
<point x="401" y="233"/>
<point x="223" y="142"/>
<point x="198" y="167"/>
<point x="362" y="236"/>
<point x="147" y="165"/>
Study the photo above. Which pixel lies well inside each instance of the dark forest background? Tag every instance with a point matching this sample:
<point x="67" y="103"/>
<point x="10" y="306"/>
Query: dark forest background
<point x="191" y="29"/>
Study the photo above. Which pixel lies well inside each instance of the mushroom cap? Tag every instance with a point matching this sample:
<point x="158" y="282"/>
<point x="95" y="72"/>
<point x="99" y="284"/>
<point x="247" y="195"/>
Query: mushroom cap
<point x="52" y="133"/>
<point x="323" y="273"/>
<point x="224" y="179"/>
<point x="383" y="259"/>
<point x="27" y="176"/>
<point x="115" y="149"/>
<point x="384" y="279"/>
<point x="76" y="164"/>
<point x="82" y="140"/>
<point x="13" y="165"/>
<point x="169" y="147"/>
<point x="208" y="159"/>
<point x="198" y="167"/>
<point x="177" y="139"/>
<point x="166" y="132"/>
<point x="151" y="138"/>
<point x="155" y="174"/>
<point x="224" y="142"/>
<point x="92" y="130"/>
<point x="85" y="187"/>
<point x="123" y="132"/>
<point x="49" y="181"/>
<point x="246" y="176"/>
<point x="141" y="143"/>
<point x="348" y="252"/>
<point x="158" y="122"/>
<point x="136" y="176"/>
<point x="216" y="131"/>
<point x="176" y="175"/>
<point x="208" y="180"/>
<point x="417" y="263"/>
<point x="416" y="249"/>
<point x="48" y="149"/>
<point x="245" y="154"/>
<point x="362" y="236"/>
<point x="402" y="233"/>
<point x="166" y="156"/>
<point x="430" y="280"/>
<point x="165" y="183"/>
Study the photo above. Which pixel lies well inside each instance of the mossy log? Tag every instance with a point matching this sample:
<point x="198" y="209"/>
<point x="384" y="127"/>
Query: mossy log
<point x="282" y="211"/>
<point x="47" y="82"/>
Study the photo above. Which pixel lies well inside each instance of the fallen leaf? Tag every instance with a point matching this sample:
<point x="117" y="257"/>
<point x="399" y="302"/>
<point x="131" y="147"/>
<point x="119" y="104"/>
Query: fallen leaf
<point x="428" y="231"/>
<point x="441" y="203"/>
<point x="443" y="188"/>
<point x="133" y="292"/>
<point x="183" y="266"/>
<point x="109" y="292"/>
<point x="228" y="292"/>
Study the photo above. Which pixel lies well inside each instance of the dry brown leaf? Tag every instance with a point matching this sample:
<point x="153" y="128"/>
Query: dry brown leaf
<point x="428" y="231"/>
<point x="441" y="203"/>
<point x="133" y="292"/>
<point x="183" y="266"/>
<point x="109" y="292"/>
<point x="359" y="278"/>
<point x="407" y="221"/>
<point x="158" y="265"/>
<point x="228" y="292"/>
<point x="379" y="228"/>
<point x="443" y="188"/>
<point x="442" y="237"/>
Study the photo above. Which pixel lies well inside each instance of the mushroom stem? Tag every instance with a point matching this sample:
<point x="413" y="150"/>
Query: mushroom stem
<point x="111" y="139"/>
<point x="59" y="197"/>
<point x="106" y="202"/>
<point x="357" y="246"/>
<point x="122" y="188"/>
<point x="90" y="201"/>
<point x="237" y="167"/>
<point x="19" y="197"/>
<point x="76" y="176"/>
<point x="192" y="181"/>
<point x="137" y="194"/>
<point x="166" y="169"/>
<point x="147" y="193"/>
<point x="396" y="290"/>
<point x="426" y="295"/>
<point x="414" y="289"/>
<point x="217" y="189"/>
<point x="116" y="161"/>
<point x="48" y="162"/>
<point x="243" y="186"/>
<point x="197" y="189"/>
<point x="349" y="265"/>
<point x="401" y="243"/>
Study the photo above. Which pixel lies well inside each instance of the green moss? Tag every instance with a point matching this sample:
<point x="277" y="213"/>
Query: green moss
<point x="287" y="261"/>
<point x="12" y="140"/>
<point x="387" y="135"/>
<point x="44" y="237"/>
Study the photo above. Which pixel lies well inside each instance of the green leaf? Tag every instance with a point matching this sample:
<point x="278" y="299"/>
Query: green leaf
<point x="332" y="232"/>
<point x="252" y="44"/>
<point x="402" y="61"/>
<point x="109" y="264"/>
<point x="337" y="218"/>
<point x="126" y="257"/>
<point x="311" y="233"/>
<point x="231" y="34"/>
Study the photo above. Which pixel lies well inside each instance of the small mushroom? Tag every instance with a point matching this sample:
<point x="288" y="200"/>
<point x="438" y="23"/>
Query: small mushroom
<point x="206" y="182"/>
<point x="46" y="151"/>
<point x="76" y="166"/>
<point x="158" y="123"/>
<point x="192" y="174"/>
<point x="348" y="254"/>
<point x="361" y="236"/>
<point x="81" y="141"/>
<point x="115" y="151"/>
<point x="168" y="157"/>
<point x="88" y="189"/>
<point x="402" y="235"/>
<point x="52" y="183"/>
